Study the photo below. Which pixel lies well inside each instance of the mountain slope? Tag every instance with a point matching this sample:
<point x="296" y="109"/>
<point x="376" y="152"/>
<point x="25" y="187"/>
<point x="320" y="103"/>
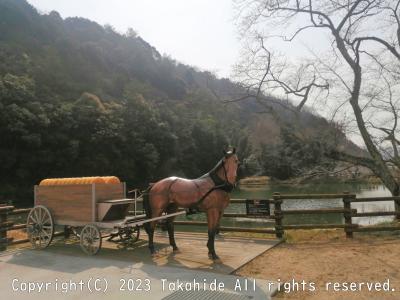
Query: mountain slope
<point x="77" y="99"/>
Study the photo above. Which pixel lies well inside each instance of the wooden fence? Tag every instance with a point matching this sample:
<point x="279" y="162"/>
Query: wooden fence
<point x="277" y="216"/>
<point x="348" y="213"/>
<point x="279" y="213"/>
<point x="6" y="211"/>
<point x="5" y="225"/>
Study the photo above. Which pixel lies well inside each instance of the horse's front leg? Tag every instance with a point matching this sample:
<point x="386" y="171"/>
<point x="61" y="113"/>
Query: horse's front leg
<point x="212" y="220"/>
<point x="172" y="208"/>
<point x="170" y="228"/>
<point x="217" y="231"/>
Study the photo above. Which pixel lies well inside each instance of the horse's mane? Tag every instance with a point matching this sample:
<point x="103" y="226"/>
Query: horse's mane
<point x="217" y="166"/>
<point x="215" y="169"/>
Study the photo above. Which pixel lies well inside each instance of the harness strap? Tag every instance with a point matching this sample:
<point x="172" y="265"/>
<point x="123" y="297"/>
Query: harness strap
<point x="195" y="207"/>
<point x="219" y="184"/>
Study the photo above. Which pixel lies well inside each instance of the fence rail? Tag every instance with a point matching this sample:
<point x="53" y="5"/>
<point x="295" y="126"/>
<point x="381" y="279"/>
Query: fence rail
<point x="308" y="196"/>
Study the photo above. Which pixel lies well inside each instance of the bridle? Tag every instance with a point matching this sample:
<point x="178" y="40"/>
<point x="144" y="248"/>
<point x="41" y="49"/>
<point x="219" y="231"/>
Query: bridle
<point x="219" y="183"/>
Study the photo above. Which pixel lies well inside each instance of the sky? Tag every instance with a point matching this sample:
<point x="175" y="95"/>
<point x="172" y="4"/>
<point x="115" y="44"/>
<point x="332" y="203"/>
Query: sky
<point x="199" y="33"/>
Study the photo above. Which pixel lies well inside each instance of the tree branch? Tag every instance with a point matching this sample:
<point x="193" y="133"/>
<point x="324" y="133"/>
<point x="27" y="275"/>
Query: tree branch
<point x="355" y="160"/>
<point x="381" y="41"/>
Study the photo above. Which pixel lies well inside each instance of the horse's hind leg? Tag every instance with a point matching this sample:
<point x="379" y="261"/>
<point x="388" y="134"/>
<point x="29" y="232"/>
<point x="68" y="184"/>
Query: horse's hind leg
<point x="170" y="226"/>
<point x="212" y="220"/>
<point x="149" y="227"/>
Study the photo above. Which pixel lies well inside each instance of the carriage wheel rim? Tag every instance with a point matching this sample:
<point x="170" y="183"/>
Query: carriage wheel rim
<point x="40" y="227"/>
<point x="90" y="239"/>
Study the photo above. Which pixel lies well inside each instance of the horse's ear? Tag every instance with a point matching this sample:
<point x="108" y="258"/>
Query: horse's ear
<point x="233" y="150"/>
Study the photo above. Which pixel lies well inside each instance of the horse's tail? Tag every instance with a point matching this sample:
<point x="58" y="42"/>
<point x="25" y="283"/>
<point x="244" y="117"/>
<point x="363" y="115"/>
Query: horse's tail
<point x="146" y="202"/>
<point x="147" y="207"/>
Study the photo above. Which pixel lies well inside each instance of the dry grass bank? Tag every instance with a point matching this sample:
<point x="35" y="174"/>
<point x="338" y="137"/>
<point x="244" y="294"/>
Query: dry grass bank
<point x="322" y="256"/>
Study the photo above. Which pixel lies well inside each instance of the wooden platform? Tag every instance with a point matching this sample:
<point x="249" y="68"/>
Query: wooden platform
<point x="233" y="251"/>
<point x="65" y="262"/>
<point x="44" y="267"/>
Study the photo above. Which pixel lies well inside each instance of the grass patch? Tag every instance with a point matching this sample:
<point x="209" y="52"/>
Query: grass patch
<point x="249" y="235"/>
<point x="306" y="235"/>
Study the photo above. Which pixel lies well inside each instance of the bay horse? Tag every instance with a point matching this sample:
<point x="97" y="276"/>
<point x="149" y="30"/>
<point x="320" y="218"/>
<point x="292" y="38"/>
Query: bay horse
<point x="208" y="193"/>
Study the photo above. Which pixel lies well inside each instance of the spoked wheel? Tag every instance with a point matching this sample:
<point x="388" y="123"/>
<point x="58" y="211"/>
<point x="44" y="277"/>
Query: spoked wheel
<point x="90" y="239"/>
<point x="128" y="235"/>
<point x="40" y="227"/>
<point x="134" y="234"/>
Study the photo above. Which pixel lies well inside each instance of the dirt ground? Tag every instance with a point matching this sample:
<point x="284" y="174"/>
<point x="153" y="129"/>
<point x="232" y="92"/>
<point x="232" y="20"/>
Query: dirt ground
<point x="313" y="259"/>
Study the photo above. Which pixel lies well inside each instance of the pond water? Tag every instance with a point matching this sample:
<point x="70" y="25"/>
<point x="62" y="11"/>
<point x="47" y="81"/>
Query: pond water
<point x="360" y="189"/>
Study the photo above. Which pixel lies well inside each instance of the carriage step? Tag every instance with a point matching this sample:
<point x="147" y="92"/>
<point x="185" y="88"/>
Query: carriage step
<point x="118" y="201"/>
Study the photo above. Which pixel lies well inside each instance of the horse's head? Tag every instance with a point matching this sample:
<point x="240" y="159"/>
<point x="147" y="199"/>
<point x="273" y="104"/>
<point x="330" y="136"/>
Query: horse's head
<point x="231" y="164"/>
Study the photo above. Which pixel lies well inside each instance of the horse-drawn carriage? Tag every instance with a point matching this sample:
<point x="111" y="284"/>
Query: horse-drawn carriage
<point x="89" y="207"/>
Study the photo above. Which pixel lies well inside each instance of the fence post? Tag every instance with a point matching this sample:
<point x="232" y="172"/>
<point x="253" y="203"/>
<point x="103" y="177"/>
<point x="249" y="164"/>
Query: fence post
<point x="397" y="209"/>
<point x="4" y="225"/>
<point x="347" y="214"/>
<point x="278" y="215"/>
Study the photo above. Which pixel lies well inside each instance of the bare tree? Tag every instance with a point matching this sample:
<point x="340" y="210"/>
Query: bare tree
<point x="356" y="69"/>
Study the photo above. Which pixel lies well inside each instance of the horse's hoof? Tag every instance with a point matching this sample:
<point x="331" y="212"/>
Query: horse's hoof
<point x="176" y="250"/>
<point x="214" y="257"/>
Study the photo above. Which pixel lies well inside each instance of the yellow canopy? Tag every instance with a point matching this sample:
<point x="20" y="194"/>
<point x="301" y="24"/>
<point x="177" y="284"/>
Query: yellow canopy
<point x="80" y="180"/>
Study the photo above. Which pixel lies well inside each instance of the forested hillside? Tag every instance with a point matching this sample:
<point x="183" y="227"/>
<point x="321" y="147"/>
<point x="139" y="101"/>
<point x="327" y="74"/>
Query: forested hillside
<point x="79" y="99"/>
